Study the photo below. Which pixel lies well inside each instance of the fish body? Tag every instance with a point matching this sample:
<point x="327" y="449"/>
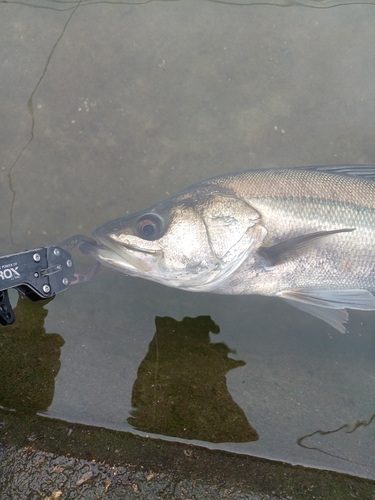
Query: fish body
<point x="305" y="234"/>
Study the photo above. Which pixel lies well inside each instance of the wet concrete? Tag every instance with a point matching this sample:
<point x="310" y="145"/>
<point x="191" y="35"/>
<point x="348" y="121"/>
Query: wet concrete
<point x="51" y="459"/>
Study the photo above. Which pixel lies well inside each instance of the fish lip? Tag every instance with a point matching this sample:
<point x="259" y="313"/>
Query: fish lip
<point x="108" y="256"/>
<point x="117" y="247"/>
<point x="131" y="259"/>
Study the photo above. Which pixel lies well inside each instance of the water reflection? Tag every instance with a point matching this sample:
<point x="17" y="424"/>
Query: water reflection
<point x="181" y="388"/>
<point x="29" y="359"/>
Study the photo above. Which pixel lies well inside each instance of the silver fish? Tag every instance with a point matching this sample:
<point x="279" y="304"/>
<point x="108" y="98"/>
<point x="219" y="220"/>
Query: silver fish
<point x="306" y="235"/>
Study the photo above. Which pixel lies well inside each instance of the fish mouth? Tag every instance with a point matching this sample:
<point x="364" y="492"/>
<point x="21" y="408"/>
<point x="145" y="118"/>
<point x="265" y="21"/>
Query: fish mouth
<point x="121" y="257"/>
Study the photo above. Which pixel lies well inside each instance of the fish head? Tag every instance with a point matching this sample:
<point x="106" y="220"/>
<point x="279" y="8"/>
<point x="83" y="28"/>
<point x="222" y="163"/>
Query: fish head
<point x="193" y="240"/>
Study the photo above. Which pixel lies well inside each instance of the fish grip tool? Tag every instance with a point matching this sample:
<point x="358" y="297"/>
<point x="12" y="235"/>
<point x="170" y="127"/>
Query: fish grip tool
<point x="40" y="273"/>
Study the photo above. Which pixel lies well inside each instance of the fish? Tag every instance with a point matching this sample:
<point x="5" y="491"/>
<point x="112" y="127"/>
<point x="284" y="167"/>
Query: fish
<point x="303" y="234"/>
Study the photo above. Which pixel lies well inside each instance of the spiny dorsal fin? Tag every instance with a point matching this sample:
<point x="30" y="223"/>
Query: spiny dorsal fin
<point x="360" y="171"/>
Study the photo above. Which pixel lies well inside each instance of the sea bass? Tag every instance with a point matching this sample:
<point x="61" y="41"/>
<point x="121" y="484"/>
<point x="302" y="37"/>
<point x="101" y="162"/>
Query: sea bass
<point x="306" y="235"/>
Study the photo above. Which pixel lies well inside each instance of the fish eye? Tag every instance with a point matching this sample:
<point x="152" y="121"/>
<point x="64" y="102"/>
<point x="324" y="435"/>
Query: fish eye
<point x="150" y="227"/>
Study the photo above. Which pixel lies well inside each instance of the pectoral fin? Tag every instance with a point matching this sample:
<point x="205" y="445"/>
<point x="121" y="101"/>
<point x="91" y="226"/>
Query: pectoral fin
<point x="294" y="247"/>
<point x="330" y="305"/>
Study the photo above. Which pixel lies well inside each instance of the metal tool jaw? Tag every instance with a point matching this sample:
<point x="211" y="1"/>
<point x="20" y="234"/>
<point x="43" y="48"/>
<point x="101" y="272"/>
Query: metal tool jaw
<point x="39" y="274"/>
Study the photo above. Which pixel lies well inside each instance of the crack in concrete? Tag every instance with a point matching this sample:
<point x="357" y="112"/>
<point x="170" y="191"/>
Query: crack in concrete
<point x="30" y="107"/>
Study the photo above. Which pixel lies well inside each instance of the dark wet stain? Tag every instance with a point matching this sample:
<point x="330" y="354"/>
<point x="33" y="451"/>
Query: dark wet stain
<point x="181" y="388"/>
<point x="29" y="360"/>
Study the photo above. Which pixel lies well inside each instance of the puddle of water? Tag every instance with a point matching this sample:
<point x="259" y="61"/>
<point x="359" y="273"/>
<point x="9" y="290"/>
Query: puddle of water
<point x="116" y="106"/>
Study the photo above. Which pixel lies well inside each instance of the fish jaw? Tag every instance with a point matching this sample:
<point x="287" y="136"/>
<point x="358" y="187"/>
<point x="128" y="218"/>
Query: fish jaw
<point x="125" y="262"/>
<point x="125" y="252"/>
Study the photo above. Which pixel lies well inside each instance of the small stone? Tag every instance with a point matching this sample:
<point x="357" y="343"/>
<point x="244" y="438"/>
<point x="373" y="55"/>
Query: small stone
<point x="55" y="495"/>
<point x="85" y="477"/>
